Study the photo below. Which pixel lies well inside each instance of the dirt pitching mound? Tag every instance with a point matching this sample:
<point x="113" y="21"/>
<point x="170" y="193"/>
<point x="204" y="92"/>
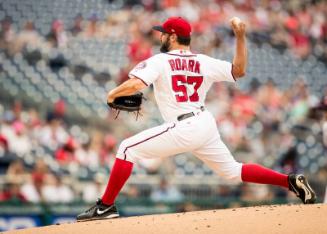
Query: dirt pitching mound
<point x="261" y="219"/>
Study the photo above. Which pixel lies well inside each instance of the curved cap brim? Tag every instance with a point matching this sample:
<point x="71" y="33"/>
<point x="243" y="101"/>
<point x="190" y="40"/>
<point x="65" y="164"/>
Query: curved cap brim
<point x="159" y="28"/>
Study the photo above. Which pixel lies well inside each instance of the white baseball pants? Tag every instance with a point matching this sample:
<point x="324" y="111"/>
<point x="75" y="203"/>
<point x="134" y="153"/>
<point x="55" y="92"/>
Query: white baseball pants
<point x="197" y="134"/>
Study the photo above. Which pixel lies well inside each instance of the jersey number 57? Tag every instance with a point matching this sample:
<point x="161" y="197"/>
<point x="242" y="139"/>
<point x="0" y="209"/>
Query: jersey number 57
<point x="179" y="83"/>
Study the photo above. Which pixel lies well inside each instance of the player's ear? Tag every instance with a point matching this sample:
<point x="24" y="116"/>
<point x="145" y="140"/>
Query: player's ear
<point x="173" y="37"/>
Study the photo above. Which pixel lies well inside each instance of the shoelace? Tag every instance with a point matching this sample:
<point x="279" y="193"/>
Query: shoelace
<point x="89" y="210"/>
<point x="98" y="202"/>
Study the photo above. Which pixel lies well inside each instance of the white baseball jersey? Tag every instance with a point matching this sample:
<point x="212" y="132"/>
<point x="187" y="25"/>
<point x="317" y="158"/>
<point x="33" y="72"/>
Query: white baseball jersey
<point x="181" y="80"/>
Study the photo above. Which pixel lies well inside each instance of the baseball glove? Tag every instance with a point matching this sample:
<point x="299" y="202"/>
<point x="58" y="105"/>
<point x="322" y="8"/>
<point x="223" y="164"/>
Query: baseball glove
<point x="130" y="103"/>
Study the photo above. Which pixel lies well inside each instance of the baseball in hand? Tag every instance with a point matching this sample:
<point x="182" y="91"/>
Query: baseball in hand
<point x="238" y="27"/>
<point x="235" y="21"/>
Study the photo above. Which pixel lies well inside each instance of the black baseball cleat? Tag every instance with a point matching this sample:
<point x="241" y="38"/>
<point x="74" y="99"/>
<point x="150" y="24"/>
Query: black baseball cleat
<point x="98" y="211"/>
<point x="300" y="186"/>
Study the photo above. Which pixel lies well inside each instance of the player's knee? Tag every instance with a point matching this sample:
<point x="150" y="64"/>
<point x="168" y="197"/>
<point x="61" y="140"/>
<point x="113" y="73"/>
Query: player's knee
<point x="125" y="151"/>
<point x="123" y="145"/>
<point x="232" y="171"/>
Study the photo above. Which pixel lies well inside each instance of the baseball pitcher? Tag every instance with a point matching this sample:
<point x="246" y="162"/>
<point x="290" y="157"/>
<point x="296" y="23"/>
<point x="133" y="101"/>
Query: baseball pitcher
<point x="181" y="80"/>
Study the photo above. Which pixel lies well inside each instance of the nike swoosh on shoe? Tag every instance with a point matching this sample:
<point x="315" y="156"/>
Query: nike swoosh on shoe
<point x="295" y="190"/>
<point x="308" y="193"/>
<point x="100" y="212"/>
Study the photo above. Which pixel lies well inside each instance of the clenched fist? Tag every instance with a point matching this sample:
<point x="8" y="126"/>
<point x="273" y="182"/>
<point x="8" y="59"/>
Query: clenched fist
<point x="238" y="27"/>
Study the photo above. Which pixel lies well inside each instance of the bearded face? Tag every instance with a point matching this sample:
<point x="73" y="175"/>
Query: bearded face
<point x="165" y="44"/>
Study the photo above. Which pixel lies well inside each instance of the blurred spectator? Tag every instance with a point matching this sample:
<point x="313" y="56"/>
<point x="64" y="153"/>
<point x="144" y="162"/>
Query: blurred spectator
<point x="245" y="105"/>
<point x="139" y="49"/>
<point x="27" y="37"/>
<point x="3" y="145"/>
<point x="32" y="190"/>
<point x="300" y="101"/>
<point x="301" y="43"/>
<point x="92" y="28"/>
<point x="17" y="110"/>
<point x="113" y="26"/>
<point x="152" y="166"/>
<point x="270" y="96"/>
<point x="20" y="142"/>
<point x="77" y="26"/>
<point x="12" y="193"/>
<point x="253" y="193"/>
<point x="291" y="21"/>
<point x="166" y="193"/>
<point x="188" y="207"/>
<point x="231" y="127"/>
<point x="87" y="156"/>
<point x="132" y="191"/>
<point x="56" y="191"/>
<point x="107" y="153"/>
<point x="6" y="157"/>
<point x="59" y="109"/>
<point x="288" y="160"/>
<point x="6" y="128"/>
<point x="52" y="134"/>
<point x="16" y="172"/>
<point x="91" y="191"/>
<point x="40" y="169"/>
<point x="7" y="34"/>
<point x="123" y="73"/>
<point x="57" y="36"/>
<point x="280" y="38"/>
<point x="33" y="122"/>
<point x="223" y="191"/>
<point x="66" y="154"/>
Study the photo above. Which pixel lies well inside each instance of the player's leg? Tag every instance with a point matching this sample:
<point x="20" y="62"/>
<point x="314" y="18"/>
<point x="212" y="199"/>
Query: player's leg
<point x="120" y="172"/>
<point x="151" y="143"/>
<point x="296" y="183"/>
<point x="155" y="142"/>
<point x="222" y="163"/>
<point x="217" y="156"/>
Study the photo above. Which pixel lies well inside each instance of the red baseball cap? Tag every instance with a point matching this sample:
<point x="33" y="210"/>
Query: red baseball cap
<point x="177" y="25"/>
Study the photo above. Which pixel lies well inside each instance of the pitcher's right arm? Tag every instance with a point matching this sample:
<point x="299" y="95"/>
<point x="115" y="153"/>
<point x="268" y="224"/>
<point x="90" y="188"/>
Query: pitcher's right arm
<point x="240" y="56"/>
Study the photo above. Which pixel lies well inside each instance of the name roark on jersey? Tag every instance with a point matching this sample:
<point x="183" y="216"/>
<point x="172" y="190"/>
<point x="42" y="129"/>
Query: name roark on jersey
<point x="179" y="64"/>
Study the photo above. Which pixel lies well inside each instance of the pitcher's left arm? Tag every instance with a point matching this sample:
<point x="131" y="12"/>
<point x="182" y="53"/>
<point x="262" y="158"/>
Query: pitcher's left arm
<point x="129" y="87"/>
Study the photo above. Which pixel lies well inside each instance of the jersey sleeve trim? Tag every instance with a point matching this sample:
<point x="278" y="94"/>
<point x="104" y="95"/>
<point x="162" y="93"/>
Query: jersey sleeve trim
<point x="134" y="76"/>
